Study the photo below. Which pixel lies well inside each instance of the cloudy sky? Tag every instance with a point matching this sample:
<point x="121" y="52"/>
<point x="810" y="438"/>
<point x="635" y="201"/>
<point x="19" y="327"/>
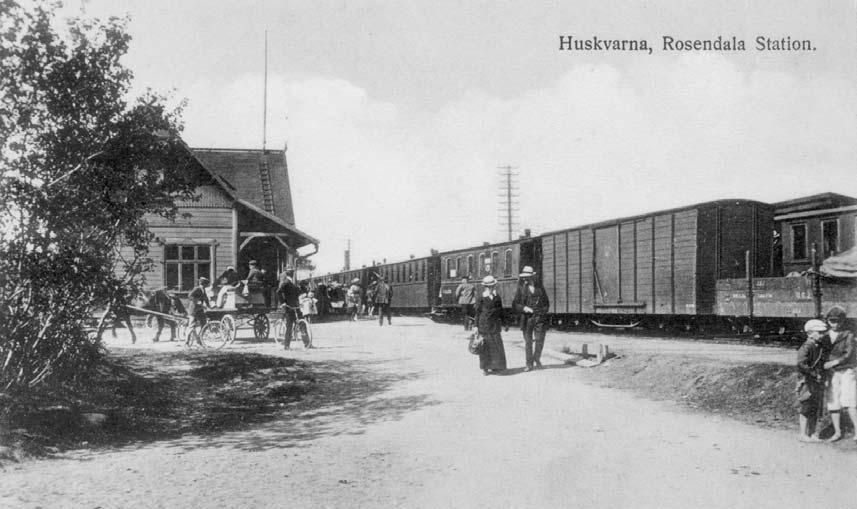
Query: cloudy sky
<point x="398" y="114"/>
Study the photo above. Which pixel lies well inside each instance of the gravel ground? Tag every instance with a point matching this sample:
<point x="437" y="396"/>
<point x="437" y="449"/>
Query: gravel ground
<point x="407" y="420"/>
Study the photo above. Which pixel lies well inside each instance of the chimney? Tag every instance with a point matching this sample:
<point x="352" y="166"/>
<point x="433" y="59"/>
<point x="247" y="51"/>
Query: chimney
<point x="486" y="244"/>
<point x="412" y="257"/>
<point x="527" y="232"/>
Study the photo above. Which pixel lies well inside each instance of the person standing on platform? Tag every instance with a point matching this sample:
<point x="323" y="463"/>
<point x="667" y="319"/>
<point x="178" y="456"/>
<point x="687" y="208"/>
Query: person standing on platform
<point x="383" y="299"/>
<point x="353" y="299"/>
<point x="531" y="301"/>
<point x="489" y="319"/>
<point x="289" y="294"/>
<point x="466" y="294"/>
<point x="841" y="364"/>
<point x="198" y="298"/>
<point x="810" y="386"/>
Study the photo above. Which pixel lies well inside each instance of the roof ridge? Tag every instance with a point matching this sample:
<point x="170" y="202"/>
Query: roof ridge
<point x="252" y="150"/>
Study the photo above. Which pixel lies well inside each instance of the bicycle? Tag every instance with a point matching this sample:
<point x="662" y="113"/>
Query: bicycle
<point x="301" y="331"/>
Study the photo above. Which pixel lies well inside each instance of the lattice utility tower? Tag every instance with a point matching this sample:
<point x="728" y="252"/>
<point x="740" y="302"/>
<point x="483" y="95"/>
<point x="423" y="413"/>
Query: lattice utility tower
<point x="508" y="199"/>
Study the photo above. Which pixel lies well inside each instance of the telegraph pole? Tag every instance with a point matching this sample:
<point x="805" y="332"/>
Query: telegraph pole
<point x="508" y="195"/>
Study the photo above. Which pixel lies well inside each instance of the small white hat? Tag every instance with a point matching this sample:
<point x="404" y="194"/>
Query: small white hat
<point x="527" y="272"/>
<point x="815" y="325"/>
<point x="489" y="281"/>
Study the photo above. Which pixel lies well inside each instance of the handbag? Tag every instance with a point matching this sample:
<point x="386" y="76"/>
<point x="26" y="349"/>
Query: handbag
<point x="476" y="344"/>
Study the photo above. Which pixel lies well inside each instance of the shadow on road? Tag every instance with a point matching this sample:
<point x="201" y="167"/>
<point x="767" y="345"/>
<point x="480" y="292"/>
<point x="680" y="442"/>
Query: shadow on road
<point x="199" y="399"/>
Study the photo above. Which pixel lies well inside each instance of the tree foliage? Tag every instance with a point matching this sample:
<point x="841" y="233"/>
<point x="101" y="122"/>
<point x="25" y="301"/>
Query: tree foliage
<point x="81" y="165"/>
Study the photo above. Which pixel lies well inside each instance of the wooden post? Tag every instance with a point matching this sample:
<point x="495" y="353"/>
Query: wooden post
<point x="749" y="272"/>
<point x="584" y="350"/>
<point x="816" y="280"/>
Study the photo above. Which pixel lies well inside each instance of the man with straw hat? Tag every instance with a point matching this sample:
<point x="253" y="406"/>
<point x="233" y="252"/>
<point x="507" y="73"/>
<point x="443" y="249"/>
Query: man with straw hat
<point x="531" y="302"/>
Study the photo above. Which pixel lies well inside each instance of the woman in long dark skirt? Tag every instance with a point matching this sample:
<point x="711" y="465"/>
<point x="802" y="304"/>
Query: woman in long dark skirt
<point x="489" y="320"/>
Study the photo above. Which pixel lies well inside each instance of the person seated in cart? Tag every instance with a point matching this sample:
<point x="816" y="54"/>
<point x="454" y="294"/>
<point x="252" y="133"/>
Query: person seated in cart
<point x="229" y="280"/>
<point x="198" y="304"/>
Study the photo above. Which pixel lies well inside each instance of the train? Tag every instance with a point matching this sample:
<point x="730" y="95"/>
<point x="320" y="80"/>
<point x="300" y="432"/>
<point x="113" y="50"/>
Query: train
<point x="734" y="263"/>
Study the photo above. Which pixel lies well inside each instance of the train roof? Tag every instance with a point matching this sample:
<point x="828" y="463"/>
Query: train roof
<point x="625" y="219"/>
<point x="486" y="245"/>
<point x="821" y="201"/>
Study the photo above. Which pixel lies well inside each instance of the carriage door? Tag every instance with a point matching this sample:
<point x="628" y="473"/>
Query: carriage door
<point x="606" y="265"/>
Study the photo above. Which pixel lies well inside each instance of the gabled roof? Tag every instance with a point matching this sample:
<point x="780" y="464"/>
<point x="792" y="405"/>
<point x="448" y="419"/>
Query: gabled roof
<point x="257" y="177"/>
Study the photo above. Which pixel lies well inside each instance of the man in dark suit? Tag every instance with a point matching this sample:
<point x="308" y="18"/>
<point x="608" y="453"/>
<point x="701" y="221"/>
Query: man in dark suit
<point x="289" y="294"/>
<point x="531" y="301"/>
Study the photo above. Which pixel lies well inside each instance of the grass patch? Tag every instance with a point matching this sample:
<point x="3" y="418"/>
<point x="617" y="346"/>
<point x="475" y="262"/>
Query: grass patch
<point x="140" y="395"/>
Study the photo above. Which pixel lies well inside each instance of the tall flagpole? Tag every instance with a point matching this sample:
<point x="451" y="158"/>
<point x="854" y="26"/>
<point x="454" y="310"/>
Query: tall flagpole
<point x="265" y="98"/>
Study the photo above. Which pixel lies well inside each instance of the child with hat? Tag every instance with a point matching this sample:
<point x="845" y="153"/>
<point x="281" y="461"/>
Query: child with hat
<point x="810" y="386"/>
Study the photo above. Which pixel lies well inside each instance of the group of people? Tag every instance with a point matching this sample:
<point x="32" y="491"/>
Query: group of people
<point x="377" y="296"/>
<point x="827" y="365"/>
<point x="530" y="304"/>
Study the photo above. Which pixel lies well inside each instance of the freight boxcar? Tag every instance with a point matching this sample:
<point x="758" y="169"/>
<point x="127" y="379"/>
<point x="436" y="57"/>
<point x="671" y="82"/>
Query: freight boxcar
<point x="504" y="261"/>
<point x="660" y="267"/>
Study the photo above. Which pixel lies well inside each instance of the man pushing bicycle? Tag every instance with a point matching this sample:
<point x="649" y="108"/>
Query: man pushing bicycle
<point x="289" y="294"/>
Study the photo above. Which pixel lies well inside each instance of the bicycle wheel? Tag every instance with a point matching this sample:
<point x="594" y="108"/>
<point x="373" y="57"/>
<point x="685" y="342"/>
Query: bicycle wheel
<point x="304" y="333"/>
<point x="261" y="327"/>
<point x="213" y="335"/>
<point x="227" y="323"/>
<point x="279" y="330"/>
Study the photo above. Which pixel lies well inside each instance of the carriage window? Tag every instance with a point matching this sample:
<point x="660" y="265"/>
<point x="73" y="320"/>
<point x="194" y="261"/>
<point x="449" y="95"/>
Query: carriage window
<point x="470" y="270"/>
<point x="507" y="263"/>
<point x="799" y="242"/>
<point x="423" y="270"/>
<point x="458" y="267"/>
<point x="449" y="267"/>
<point x="484" y="264"/>
<point x="185" y="264"/>
<point x="829" y="237"/>
<point x="495" y="261"/>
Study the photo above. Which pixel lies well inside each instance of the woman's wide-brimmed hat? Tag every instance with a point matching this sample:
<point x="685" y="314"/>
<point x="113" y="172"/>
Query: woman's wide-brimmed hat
<point x="527" y="272"/>
<point x="489" y="281"/>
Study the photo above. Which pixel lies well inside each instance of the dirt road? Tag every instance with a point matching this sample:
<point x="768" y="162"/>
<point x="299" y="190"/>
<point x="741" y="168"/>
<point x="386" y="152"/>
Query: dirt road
<point x="404" y="418"/>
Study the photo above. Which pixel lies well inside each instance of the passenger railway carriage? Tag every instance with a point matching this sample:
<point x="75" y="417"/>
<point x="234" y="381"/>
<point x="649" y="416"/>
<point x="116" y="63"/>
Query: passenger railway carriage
<point x="504" y="261"/>
<point x="415" y="283"/>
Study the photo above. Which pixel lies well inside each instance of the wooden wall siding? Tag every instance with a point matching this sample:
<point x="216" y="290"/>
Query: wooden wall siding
<point x="587" y="284"/>
<point x="573" y="282"/>
<point x="209" y="197"/>
<point x="561" y="273"/>
<point x="549" y="274"/>
<point x="645" y="264"/>
<point x="663" y="237"/>
<point x="195" y="218"/>
<point x="684" y="258"/>
<point x="627" y="263"/>
<point x="409" y="295"/>
<point x="607" y="264"/>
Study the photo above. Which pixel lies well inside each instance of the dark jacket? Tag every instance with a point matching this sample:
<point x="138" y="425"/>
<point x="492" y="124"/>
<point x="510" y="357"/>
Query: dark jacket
<point x="810" y="360"/>
<point x="289" y="293"/>
<point x="384" y="293"/>
<point x="538" y="301"/>
<point x="843" y="350"/>
<point x="198" y="302"/>
<point x="229" y="277"/>
<point x="489" y="314"/>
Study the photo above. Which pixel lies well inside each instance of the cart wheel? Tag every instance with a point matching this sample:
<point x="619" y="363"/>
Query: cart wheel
<point x="214" y="335"/>
<point x="260" y="327"/>
<point x="227" y="323"/>
<point x="305" y="333"/>
<point x="279" y="330"/>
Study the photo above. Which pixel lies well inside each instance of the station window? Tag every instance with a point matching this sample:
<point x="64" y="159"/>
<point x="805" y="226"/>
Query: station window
<point x="507" y="263"/>
<point x="799" y="242"/>
<point x="495" y="261"/>
<point x="829" y="237"/>
<point x="185" y="264"/>
<point x="471" y="271"/>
